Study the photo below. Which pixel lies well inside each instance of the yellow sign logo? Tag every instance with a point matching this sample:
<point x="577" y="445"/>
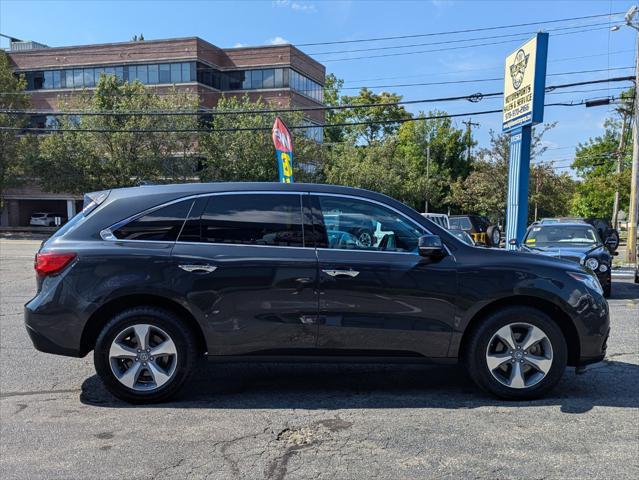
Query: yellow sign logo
<point x="518" y="68"/>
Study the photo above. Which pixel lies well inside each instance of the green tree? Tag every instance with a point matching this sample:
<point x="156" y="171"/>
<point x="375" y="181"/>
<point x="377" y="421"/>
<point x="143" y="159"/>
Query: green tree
<point x="372" y="167"/>
<point x="117" y="151"/>
<point x="385" y="119"/>
<point x="234" y="151"/>
<point x="595" y="163"/>
<point x="332" y="98"/>
<point x="445" y="144"/>
<point x="13" y="147"/>
<point x="485" y="189"/>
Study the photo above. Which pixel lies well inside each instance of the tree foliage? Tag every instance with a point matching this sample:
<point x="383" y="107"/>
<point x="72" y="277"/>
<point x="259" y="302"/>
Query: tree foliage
<point x="485" y="189"/>
<point x="595" y="163"/>
<point x="14" y="148"/>
<point x="107" y="156"/>
<point x="233" y="154"/>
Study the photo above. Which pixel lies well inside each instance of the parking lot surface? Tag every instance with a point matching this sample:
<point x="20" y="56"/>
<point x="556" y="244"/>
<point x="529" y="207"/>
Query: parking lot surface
<point x="310" y="421"/>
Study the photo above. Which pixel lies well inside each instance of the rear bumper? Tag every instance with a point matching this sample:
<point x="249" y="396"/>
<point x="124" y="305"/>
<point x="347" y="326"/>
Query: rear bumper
<point x="46" y="345"/>
<point x="52" y="330"/>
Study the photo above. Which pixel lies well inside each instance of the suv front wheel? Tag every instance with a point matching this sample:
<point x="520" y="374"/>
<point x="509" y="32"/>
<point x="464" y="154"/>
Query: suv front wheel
<point x="145" y="355"/>
<point x="517" y="353"/>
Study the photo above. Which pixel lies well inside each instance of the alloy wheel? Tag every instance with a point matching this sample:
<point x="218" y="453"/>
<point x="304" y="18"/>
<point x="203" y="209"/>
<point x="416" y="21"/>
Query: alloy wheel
<point x="143" y="357"/>
<point x="519" y="355"/>
<point x="365" y="239"/>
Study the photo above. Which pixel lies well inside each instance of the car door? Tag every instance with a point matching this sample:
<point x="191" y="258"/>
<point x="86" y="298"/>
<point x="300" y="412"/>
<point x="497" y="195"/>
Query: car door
<point x="385" y="297"/>
<point x="244" y="270"/>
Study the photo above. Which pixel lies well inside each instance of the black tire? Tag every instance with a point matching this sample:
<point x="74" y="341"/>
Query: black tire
<point x="474" y="355"/>
<point x="490" y="233"/>
<point x="182" y="336"/>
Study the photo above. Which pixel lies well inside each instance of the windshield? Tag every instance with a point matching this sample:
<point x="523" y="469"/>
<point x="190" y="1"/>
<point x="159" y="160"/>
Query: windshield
<point x="557" y="235"/>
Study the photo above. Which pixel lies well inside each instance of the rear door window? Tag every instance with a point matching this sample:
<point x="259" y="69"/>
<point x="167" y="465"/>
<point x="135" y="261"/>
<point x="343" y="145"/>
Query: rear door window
<point x="250" y="219"/>
<point x="163" y="224"/>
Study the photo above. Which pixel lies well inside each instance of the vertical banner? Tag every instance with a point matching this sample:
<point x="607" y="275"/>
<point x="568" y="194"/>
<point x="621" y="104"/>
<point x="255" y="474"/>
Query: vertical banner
<point x="524" y="91"/>
<point x="283" y="142"/>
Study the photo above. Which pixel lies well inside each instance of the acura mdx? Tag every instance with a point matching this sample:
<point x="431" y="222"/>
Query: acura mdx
<point x="153" y="278"/>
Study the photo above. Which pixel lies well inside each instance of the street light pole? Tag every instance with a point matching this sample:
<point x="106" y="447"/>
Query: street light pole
<point x="633" y="213"/>
<point x="620" y="151"/>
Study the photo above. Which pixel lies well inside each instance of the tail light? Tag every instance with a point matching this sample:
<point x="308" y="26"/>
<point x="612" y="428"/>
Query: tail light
<point x="50" y="263"/>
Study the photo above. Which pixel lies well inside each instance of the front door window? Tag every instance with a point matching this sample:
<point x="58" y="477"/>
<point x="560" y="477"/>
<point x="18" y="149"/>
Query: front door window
<point x="353" y="224"/>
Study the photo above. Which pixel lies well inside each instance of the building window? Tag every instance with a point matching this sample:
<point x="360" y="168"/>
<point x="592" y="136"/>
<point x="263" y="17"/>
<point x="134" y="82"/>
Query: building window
<point x="176" y="73"/>
<point x="154" y="76"/>
<point x="256" y="78"/>
<point x="268" y="78"/>
<point x="165" y="73"/>
<point x="279" y="78"/>
<point x="89" y="77"/>
<point x="186" y="72"/>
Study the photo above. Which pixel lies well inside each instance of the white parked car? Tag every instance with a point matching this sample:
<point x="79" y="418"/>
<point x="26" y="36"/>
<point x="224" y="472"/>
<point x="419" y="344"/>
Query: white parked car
<point x="45" y="219"/>
<point x="440" y="219"/>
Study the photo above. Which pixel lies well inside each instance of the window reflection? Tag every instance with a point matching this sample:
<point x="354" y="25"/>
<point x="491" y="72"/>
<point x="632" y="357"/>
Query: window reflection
<point x="182" y="72"/>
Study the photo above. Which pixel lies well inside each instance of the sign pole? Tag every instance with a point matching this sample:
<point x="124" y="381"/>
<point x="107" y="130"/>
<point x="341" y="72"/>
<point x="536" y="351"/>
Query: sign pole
<point x="518" y="175"/>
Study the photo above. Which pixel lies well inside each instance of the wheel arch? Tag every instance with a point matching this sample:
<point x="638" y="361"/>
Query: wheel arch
<point x="561" y="318"/>
<point x="102" y="315"/>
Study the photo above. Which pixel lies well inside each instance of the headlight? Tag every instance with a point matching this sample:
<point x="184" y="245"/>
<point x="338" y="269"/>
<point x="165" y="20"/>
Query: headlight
<point x="588" y="280"/>
<point x="592" y="264"/>
<point x="603" y="267"/>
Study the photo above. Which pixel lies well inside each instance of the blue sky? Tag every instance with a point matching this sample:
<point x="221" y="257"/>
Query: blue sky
<point x="227" y="24"/>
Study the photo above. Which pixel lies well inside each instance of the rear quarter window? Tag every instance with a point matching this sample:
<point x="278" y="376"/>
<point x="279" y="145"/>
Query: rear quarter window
<point x="163" y="224"/>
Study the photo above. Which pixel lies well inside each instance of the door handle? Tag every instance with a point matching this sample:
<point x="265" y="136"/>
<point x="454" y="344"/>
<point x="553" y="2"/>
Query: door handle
<point x="198" y="268"/>
<point x="341" y="273"/>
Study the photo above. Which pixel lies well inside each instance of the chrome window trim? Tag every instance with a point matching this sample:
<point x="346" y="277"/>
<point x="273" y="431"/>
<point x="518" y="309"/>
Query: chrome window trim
<point x="107" y="233"/>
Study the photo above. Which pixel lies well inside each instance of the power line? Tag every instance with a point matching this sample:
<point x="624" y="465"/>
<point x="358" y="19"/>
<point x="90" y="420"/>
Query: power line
<point x="268" y="129"/>
<point x="453" y="82"/>
<point x="445" y="42"/>
<point x="452" y="32"/>
<point x="500" y="66"/>
<point x="474" y="97"/>
<point x="386" y="55"/>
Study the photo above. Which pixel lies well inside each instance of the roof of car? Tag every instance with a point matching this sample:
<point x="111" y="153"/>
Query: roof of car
<point x="562" y="224"/>
<point x="196" y="188"/>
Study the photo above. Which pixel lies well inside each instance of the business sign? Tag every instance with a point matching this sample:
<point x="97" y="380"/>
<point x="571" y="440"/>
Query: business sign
<point x="525" y="84"/>
<point x="283" y="142"/>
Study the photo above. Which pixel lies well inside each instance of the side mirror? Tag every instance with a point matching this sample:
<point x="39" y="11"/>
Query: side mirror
<point x="431" y="246"/>
<point x="513" y="242"/>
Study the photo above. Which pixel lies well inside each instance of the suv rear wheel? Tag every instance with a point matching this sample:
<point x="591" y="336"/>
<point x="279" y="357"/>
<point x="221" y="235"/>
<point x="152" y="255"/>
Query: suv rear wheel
<point x="517" y="353"/>
<point x="145" y="355"/>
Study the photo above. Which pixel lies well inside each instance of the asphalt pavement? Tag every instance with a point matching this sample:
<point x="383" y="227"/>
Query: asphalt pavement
<point x="310" y="421"/>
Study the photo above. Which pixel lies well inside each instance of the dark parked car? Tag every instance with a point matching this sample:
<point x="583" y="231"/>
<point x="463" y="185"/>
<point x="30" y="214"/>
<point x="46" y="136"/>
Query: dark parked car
<point x="577" y="242"/>
<point x="608" y="234"/>
<point x="478" y="227"/>
<point x="153" y="278"/>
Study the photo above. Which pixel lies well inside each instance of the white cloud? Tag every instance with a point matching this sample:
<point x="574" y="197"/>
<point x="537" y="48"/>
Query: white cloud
<point x="278" y="41"/>
<point x="305" y="7"/>
<point x="239" y="45"/>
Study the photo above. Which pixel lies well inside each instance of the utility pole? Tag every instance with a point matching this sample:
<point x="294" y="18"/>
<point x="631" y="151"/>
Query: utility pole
<point x="622" y="144"/>
<point x="469" y="125"/>
<point x="633" y="212"/>
<point x="427" y="176"/>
